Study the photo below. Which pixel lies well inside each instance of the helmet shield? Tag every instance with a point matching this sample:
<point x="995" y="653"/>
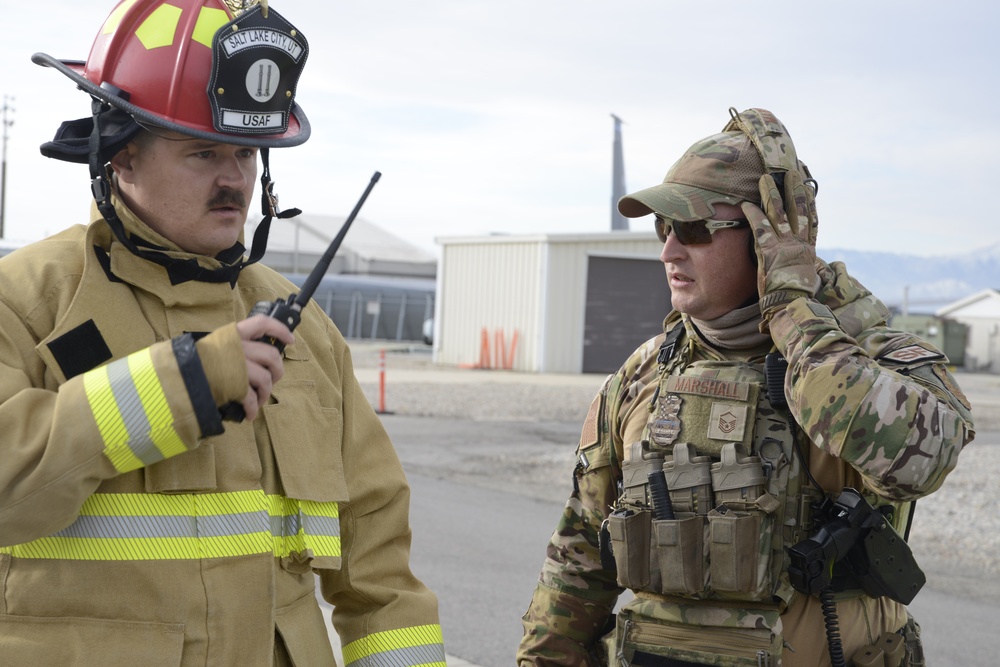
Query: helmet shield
<point x="256" y="63"/>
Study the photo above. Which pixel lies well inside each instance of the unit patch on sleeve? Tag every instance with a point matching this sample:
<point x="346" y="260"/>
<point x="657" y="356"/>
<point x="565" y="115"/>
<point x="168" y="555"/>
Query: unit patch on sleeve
<point x="911" y="354"/>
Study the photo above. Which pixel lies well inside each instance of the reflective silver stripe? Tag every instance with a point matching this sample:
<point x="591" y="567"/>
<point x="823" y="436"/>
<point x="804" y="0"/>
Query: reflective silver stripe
<point x="427" y="654"/>
<point x="285" y="525"/>
<point x="233" y="524"/>
<point x="314" y="525"/>
<point x="417" y="645"/>
<point x="321" y="525"/>
<point x="167" y="526"/>
<point x="132" y="412"/>
<point x="185" y="526"/>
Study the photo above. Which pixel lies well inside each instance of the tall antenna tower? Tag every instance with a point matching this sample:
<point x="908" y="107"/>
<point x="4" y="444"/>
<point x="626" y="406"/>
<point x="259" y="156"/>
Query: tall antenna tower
<point x="618" y="221"/>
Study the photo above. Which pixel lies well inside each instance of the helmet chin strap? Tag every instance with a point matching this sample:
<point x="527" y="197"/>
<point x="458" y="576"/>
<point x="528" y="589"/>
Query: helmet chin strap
<point x="268" y="208"/>
<point x="181" y="270"/>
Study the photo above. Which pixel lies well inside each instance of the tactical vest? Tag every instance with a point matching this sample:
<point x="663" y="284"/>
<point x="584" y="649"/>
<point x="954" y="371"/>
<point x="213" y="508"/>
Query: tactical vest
<point x="735" y="491"/>
<point x="711" y="498"/>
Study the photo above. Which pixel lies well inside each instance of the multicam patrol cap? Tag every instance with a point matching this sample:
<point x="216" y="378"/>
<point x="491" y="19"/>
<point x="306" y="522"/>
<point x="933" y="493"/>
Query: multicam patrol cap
<point x="722" y="168"/>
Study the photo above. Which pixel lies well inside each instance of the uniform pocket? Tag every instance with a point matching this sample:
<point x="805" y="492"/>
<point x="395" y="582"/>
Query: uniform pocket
<point x="735" y="553"/>
<point x="304" y="632"/>
<point x="306" y="439"/>
<point x="740" y="547"/>
<point x="741" y="527"/>
<point x="629" y="532"/>
<point x="29" y="641"/>
<point x="680" y="552"/>
<point x="699" y="633"/>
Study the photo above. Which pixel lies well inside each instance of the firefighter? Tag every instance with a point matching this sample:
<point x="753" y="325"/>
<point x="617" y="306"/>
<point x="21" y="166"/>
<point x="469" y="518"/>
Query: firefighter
<point x="137" y="525"/>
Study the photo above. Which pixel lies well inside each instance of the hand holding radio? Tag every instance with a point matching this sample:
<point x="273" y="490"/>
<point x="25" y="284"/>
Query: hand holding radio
<point x="273" y="330"/>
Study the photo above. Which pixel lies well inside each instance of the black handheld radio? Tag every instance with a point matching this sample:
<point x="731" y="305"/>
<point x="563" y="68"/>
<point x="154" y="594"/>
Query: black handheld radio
<point x="289" y="310"/>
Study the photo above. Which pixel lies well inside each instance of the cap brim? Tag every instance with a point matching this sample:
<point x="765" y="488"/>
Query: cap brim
<point x="674" y="201"/>
<point x="298" y="125"/>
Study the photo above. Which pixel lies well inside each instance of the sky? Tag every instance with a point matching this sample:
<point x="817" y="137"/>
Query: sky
<point x="488" y="117"/>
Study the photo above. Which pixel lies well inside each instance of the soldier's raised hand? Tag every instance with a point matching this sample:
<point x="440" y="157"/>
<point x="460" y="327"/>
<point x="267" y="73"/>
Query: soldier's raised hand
<point x="785" y="241"/>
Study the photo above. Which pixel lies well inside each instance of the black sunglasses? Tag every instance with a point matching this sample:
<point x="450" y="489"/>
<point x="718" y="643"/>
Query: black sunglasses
<point x="694" y="232"/>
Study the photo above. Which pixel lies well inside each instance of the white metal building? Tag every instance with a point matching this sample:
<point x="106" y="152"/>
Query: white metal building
<point x="981" y="313"/>
<point x="295" y="245"/>
<point x="552" y="303"/>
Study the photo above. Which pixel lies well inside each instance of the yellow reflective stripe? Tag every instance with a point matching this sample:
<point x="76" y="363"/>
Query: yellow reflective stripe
<point x="116" y="17"/>
<point x="420" y="645"/>
<point x="159" y="27"/>
<point x="285" y="540"/>
<point x="321" y="527"/>
<point x="143" y="548"/>
<point x="154" y="401"/>
<point x="182" y="504"/>
<point x="132" y="413"/>
<point x="314" y="508"/>
<point x="125" y="526"/>
<point x="282" y="506"/>
<point x="209" y="22"/>
<point x="308" y="526"/>
<point x="97" y="386"/>
<point x="322" y="545"/>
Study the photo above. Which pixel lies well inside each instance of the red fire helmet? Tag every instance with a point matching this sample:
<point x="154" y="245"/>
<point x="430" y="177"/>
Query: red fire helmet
<point x="218" y="70"/>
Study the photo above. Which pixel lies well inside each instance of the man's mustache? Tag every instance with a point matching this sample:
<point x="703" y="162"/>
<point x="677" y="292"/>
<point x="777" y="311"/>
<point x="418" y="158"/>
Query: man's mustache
<point x="227" y="197"/>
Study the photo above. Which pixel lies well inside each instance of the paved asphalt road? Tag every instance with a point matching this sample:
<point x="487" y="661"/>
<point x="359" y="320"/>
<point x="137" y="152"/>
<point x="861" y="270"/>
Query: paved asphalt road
<point x="480" y="532"/>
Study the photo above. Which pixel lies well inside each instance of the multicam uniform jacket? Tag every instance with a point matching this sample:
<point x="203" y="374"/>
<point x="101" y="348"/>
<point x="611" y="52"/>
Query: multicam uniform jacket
<point x="134" y="531"/>
<point x="875" y="410"/>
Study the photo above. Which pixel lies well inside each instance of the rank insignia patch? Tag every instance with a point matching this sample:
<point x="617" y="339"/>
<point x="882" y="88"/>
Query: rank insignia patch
<point x="727" y="421"/>
<point x="911" y="354"/>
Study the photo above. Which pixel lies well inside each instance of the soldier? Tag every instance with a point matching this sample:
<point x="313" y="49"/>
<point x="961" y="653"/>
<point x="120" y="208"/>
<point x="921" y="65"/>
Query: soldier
<point x="747" y="472"/>
<point x="136" y="526"/>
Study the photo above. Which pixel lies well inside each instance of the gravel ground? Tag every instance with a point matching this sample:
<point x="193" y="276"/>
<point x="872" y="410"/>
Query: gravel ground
<point x="955" y="538"/>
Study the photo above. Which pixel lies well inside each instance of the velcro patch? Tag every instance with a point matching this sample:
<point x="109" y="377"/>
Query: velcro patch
<point x="911" y="354"/>
<point x="80" y="349"/>
<point x="949" y="383"/>
<point x="588" y="436"/>
<point x="706" y="386"/>
<point x="727" y="422"/>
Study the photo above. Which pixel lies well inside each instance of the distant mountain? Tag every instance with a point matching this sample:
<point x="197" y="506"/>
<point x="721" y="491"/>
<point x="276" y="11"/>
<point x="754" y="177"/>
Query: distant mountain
<point x="927" y="283"/>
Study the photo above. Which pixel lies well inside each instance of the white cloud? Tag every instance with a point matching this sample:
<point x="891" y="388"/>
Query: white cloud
<point x="495" y="117"/>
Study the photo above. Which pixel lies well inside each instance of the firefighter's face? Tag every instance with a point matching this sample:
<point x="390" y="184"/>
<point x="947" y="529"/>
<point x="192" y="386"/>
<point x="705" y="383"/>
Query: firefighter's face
<point x="193" y="192"/>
